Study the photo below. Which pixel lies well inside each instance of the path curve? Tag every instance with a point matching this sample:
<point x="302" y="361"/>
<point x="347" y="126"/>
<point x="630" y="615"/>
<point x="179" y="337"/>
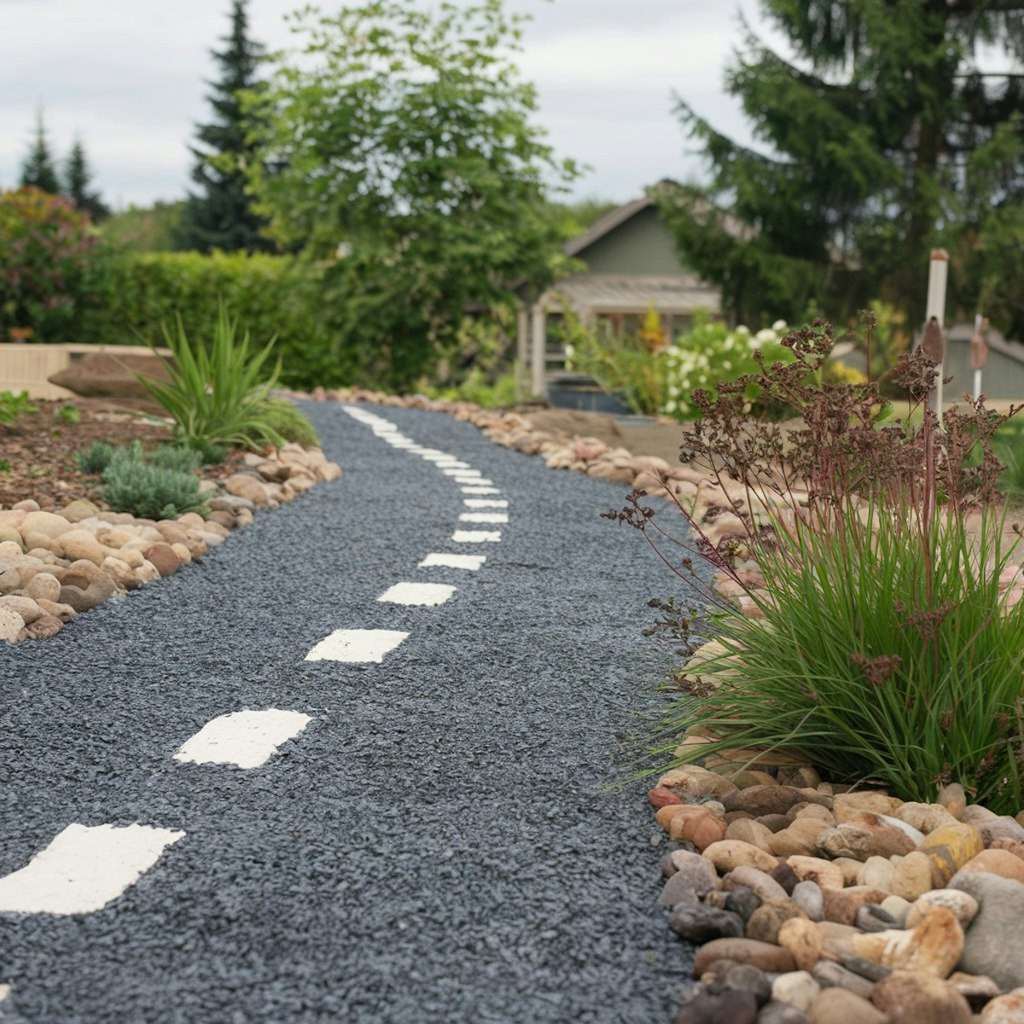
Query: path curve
<point x="427" y="837"/>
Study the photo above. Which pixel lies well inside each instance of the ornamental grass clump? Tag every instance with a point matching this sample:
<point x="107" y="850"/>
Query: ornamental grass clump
<point x="131" y="484"/>
<point x="872" y="637"/>
<point x="218" y="390"/>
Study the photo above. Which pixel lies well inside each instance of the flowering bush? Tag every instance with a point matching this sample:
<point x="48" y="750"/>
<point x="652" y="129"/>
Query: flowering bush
<point x="710" y="353"/>
<point x="50" y="257"/>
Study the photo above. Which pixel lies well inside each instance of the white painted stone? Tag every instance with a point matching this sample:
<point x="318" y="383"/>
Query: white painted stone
<point x="483" y="517"/>
<point x="246" y="739"/>
<point x="357" y="645"/>
<point x="437" y="558"/>
<point x="5" y="991"/>
<point x="484" y="503"/>
<point x="476" y="536"/>
<point x="84" y="868"/>
<point x="417" y="593"/>
<point x="480" y="490"/>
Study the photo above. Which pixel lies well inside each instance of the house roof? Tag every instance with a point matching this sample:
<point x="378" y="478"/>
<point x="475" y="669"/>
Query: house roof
<point x="606" y="224"/>
<point x="678" y="293"/>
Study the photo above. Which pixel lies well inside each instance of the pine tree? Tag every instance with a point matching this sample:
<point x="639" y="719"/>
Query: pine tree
<point x="221" y="215"/>
<point x="884" y="137"/>
<point x="77" y="179"/>
<point x="38" y="169"/>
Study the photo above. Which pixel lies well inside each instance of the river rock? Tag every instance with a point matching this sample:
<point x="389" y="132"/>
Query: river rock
<point x="1003" y="827"/>
<point x="949" y="848"/>
<point x="962" y="904"/>
<point x="803" y="939"/>
<point x="765" y="922"/>
<point x="43" y="627"/>
<point x="699" y="923"/>
<point x="872" y="918"/>
<point x="742" y="900"/>
<point x="925" y="817"/>
<point x="807" y="896"/>
<point x="846" y="805"/>
<point x="744" y="951"/>
<point x="163" y="557"/>
<point x="1008" y="1009"/>
<point x="975" y="988"/>
<point x="730" y="1006"/>
<point x="747" y="978"/>
<point x="997" y="862"/>
<point x="933" y="947"/>
<point x="799" y="838"/>
<point x="750" y="831"/>
<point x="797" y="988"/>
<point x="692" y="878"/>
<point x="761" y="800"/>
<point x="833" y="1005"/>
<point x="47" y="523"/>
<point x="877" y="873"/>
<point x="729" y="854"/>
<point x="30" y="611"/>
<point x="865" y="835"/>
<point x="823" y="873"/>
<point x="954" y="799"/>
<point x="912" y="876"/>
<point x="11" y="625"/>
<point x="897" y="907"/>
<point x="841" y="905"/>
<point x="992" y="943"/>
<point x="829" y="974"/>
<point x="908" y="997"/>
<point x="45" y="585"/>
<point x="763" y="885"/>
<point x="694" y="783"/>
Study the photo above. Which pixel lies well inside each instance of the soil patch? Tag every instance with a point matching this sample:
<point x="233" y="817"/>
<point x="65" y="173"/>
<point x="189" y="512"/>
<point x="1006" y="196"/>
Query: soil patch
<point x="39" y="450"/>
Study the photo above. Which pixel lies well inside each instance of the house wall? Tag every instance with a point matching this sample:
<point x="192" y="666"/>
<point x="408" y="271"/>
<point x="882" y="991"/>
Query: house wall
<point x="1002" y="378"/>
<point x="642" y="245"/>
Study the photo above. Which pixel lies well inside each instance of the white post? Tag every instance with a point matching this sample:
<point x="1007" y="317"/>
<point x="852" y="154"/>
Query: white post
<point x="938" y="270"/>
<point x="979" y="322"/>
<point x="540" y="351"/>
<point x="522" y="350"/>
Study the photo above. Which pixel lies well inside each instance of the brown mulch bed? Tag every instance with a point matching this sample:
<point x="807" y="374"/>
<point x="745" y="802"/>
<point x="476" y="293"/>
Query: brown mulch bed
<point x="39" y="450"/>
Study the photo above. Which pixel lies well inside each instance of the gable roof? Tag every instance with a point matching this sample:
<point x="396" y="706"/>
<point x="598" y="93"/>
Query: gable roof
<point x="606" y="225"/>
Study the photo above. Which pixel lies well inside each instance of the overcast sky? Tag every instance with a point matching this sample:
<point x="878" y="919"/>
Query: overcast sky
<point x="127" y="77"/>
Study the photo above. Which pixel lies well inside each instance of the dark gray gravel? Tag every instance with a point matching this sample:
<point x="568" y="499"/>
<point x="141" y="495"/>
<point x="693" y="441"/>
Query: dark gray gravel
<point x="440" y="845"/>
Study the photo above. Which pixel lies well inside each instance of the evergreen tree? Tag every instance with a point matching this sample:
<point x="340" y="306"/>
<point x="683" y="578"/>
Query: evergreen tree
<point x="38" y="168"/>
<point x="221" y="215"/>
<point x="77" y="181"/>
<point x="884" y="137"/>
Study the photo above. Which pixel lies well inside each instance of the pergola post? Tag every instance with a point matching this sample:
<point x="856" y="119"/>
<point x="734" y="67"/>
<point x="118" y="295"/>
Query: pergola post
<point x="538" y="361"/>
<point x="522" y="349"/>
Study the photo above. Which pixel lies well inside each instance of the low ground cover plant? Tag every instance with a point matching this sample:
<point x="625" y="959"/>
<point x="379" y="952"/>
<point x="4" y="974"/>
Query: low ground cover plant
<point x="874" y="639"/>
<point x="13" y="405"/>
<point x="148" y="489"/>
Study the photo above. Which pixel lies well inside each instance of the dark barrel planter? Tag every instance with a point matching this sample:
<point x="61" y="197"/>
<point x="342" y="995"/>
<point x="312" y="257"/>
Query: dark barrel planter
<point x="581" y="393"/>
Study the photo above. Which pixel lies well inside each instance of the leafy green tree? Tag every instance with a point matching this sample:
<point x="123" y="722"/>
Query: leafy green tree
<point x="38" y="170"/>
<point x="146" y="228"/>
<point x="77" y="182"/>
<point x="407" y="163"/>
<point x="221" y="214"/>
<point x="882" y="136"/>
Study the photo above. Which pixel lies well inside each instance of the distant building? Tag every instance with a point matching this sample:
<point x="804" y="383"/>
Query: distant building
<point x="631" y="266"/>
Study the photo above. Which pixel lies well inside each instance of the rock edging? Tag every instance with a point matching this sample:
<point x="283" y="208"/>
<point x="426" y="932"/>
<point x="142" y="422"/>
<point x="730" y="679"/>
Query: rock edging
<point x="56" y="565"/>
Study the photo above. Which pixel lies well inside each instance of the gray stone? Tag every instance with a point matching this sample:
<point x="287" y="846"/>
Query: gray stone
<point x="781" y="1013"/>
<point x="742" y="901"/>
<point x="698" y="923"/>
<point x="692" y="879"/>
<point x="833" y="975"/>
<point x="807" y="896"/>
<point x="730" y="1006"/>
<point x="992" y="942"/>
<point x="748" y="978"/>
<point x="872" y="918"/>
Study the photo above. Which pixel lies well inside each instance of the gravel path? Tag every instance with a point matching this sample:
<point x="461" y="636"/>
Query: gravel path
<point x="438" y="845"/>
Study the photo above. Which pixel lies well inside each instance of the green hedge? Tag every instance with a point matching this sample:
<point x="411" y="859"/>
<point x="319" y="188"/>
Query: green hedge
<point x="271" y="295"/>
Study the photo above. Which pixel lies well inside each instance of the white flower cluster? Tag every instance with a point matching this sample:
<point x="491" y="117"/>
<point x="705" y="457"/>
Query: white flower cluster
<point x="708" y="354"/>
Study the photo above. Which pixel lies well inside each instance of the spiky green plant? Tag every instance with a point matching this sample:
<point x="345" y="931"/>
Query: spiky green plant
<point x="217" y="392"/>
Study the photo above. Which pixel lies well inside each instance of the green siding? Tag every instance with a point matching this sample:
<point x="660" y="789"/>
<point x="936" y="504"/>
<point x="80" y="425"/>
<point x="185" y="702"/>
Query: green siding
<point x="642" y="245"/>
<point x="1002" y="378"/>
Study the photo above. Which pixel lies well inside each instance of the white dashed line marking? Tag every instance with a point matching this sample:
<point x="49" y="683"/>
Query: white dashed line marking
<point x="437" y="558"/>
<point x="5" y="991"/>
<point x="476" y="536"/>
<point x="460" y="474"/>
<point x="483" y="503"/>
<point x="483" y="517"/>
<point x="245" y="739"/>
<point x="417" y="593"/>
<point x="453" y="464"/>
<point x="480" y="490"/>
<point x="478" y="481"/>
<point x="357" y="645"/>
<point x="84" y="868"/>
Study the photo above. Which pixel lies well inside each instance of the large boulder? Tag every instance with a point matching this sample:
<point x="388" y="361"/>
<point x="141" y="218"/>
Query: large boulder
<point x="109" y="374"/>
